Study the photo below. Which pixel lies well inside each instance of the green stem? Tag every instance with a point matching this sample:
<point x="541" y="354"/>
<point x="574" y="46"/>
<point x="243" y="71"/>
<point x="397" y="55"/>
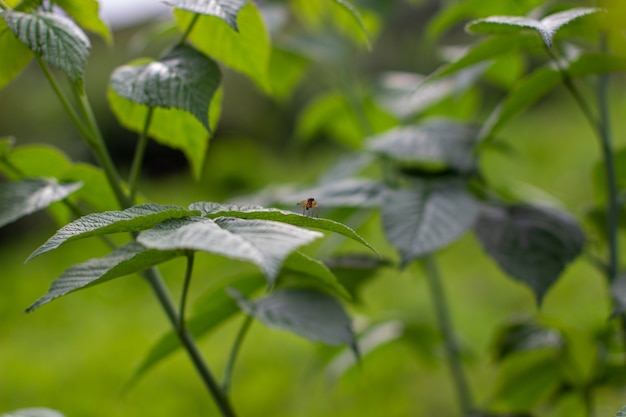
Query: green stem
<point x="4" y="5"/>
<point x="188" y="343"/>
<point x="140" y="151"/>
<point x="445" y="327"/>
<point x="189" y="29"/>
<point x="185" y="290"/>
<point x="230" y="365"/>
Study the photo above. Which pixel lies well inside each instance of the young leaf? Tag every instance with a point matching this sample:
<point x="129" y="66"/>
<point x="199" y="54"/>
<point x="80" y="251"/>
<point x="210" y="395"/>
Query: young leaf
<point x="14" y="55"/>
<point x="546" y="27"/>
<point x="532" y="244"/>
<point x="214" y="210"/>
<point x="307" y="271"/>
<point x="226" y="10"/>
<point x="247" y="51"/>
<point x="309" y="313"/>
<point x="33" y="412"/>
<point x="132" y="219"/>
<point x="19" y="199"/>
<point x="85" y="13"/>
<point x="126" y="260"/>
<point x="55" y="38"/>
<point x="429" y="216"/>
<point x="439" y="144"/>
<point x="183" y="79"/>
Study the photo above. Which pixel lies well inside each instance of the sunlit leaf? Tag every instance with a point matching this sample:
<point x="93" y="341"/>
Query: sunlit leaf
<point x="226" y="10"/>
<point x="133" y="219"/>
<point x="532" y="244"/>
<point x="427" y="217"/>
<point x="19" y="199"/>
<point x="14" y="55"/>
<point x="55" y="38"/>
<point x="126" y="260"/>
<point x="214" y="210"/>
<point x="85" y="13"/>
<point x="247" y="51"/>
<point x="33" y="412"/>
<point x="183" y="79"/>
<point x="435" y="144"/>
<point x="309" y="313"/>
<point x="546" y="27"/>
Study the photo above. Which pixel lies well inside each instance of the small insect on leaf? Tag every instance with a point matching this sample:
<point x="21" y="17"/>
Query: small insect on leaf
<point x="309" y="206"/>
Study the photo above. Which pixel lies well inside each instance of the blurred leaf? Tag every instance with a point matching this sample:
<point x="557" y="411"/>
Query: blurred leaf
<point x="55" y="38"/>
<point x="214" y="210"/>
<point x="175" y="128"/>
<point x="618" y="292"/>
<point x="435" y="144"/>
<point x="126" y="260"/>
<point x="525" y="380"/>
<point x="311" y="272"/>
<point x="427" y="217"/>
<point x="546" y="27"/>
<point x="532" y="244"/>
<point x="37" y="161"/>
<point x="264" y="243"/>
<point x="19" y="199"/>
<point x="353" y="271"/>
<point x="348" y="192"/>
<point x="621" y="412"/>
<point x="599" y="174"/>
<point x="85" y="13"/>
<point x="524" y="335"/>
<point x="14" y="55"/>
<point x="132" y="219"/>
<point x="506" y="70"/>
<point x="596" y="63"/>
<point x="309" y="313"/>
<point x="6" y="144"/>
<point x="96" y="191"/>
<point x="33" y="412"/>
<point x="183" y="79"/>
<point x="226" y="10"/>
<point x="286" y="69"/>
<point x="355" y="16"/>
<point x="247" y="51"/>
<point x="213" y="308"/>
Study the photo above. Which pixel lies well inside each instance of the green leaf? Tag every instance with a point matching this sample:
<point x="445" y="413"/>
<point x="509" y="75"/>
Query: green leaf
<point x="126" y="260"/>
<point x="37" y="161"/>
<point x="6" y="145"/>
<point x="356" y="16"/>
<point x="261" y="242"/>
<point x="96" y="191"/>
<point x="55" y="38"/>
<point x="132" y="219"/>
<point x="427" y="217"/>
<point x="621" y="412"/>
<point x="596" y="63"/>
<point x="438" y="144"/>
<point x="247" y="51"/>
<point x="183" y="79"/>
<point x="348" y="192"/>
<point x="286" y="69"/>
<point x="311" y="314"/>
<point x="532" y="244"/>
<point x="213" y="309"/>
<point x="33" y="412"/>
<point x="523" y="335"/>
<point x="525" y="381"/>
<point x="307" y="271"/>
<point x="171" y="127"/>
<point x="85" y="13"/>
<point x="14" y="55"/>
<point x="546" y="27"/>
<point x="19" y="199"/>
<point x="226" y="10"/>
<point x="213" y="210"/>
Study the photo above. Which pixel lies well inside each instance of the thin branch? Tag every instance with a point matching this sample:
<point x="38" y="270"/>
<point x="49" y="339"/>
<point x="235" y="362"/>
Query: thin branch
<point x="230" y="365"/>
<point x="189" y="29"/>
<point x="185" y="291"/>
<point x="140" y="151"/>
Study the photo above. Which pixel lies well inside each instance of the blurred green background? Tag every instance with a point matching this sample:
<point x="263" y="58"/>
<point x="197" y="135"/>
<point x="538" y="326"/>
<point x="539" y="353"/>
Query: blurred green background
<point x="77" y="354"/>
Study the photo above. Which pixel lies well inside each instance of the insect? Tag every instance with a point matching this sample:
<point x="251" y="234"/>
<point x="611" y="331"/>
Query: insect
<point x="308" y="204"/>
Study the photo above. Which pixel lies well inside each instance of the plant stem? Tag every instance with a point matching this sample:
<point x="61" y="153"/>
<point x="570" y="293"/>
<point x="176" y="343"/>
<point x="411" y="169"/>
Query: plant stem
<point x="189" y="29"/>
<point x="445" y="327"/>
<point x="230" y="365"/>
<point x="133" y="179"/>
<point x="185" y="290"/>
<point x="188" y="343"/>
<point x="4" y="5"/>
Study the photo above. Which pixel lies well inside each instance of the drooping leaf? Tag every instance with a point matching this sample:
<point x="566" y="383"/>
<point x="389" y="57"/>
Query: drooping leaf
<point x="33" y="412"/>
<point x="304" y="271"/>
<point x="14" y="55"/>
<point x="532" y="244"/>
<point x="184" y="79"/>
<point x="175" y="128"/>
<point x="130" y="258"/>
<point x="132" y="219"/>
<point x="19" y="199"/>
<point x="247" y="51"/>
<point x="214" y="210"/>
<point x="427" y="217"/>
<point x="438" y="144"/>
<point x="55" y="38"/>
<point x="356" y="16"/>
<point x="226" y="10"/>
<point x="309" y="313"/>
<point x="546" y="27"/>
<point x="86" y="14"/>
<point x="213" y="308"/>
